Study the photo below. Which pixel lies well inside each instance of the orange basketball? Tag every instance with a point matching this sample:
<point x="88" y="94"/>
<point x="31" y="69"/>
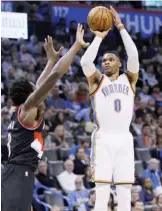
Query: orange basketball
<point x="100" y="19"/>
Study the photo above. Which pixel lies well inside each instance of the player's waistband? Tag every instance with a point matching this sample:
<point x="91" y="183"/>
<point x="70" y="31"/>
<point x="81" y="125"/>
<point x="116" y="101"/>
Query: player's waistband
<point x="21" y="164"/>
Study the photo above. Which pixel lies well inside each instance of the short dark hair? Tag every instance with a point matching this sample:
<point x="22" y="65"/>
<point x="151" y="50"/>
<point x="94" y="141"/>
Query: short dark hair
<point x="113" y="52"/>
<point x="91" y="192"/>
<point x="145" y="125"/>
<point x="20" y="90"/>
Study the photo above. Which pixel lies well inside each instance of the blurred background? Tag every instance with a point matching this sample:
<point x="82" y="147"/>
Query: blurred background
<point x="63" y="180"/>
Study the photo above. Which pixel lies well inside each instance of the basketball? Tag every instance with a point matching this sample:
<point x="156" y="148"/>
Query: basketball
<point x="100" y="19"/>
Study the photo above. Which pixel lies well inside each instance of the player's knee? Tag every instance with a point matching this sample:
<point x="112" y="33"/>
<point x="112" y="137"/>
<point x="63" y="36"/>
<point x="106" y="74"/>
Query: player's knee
<point x="102" y="189"/>
<point x="123" y="191"/>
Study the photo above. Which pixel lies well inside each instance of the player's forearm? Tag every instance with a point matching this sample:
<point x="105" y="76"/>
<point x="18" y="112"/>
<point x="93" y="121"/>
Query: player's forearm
<point x="64" y="63"/>
<point x="89" y="56"/>
<point x="132" y="53"/>
<point x="47" y="70"/>
<point x="57" y="72"/>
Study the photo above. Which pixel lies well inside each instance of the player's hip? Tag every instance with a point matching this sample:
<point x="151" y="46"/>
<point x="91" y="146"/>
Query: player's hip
<point x="111" y="139"/>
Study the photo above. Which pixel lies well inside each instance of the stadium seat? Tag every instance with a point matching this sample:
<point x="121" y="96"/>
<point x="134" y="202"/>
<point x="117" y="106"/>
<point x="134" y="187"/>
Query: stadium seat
<point x="70" y="140"/>
<point x="52" y="199"/>
<point x="64" y="153"/>
<point x="139" y="168"/>
<point x="55" y="167"/>
<point x="149" y="207"/>
<point x="143" y="154"/>
<point x="50" y="155"/>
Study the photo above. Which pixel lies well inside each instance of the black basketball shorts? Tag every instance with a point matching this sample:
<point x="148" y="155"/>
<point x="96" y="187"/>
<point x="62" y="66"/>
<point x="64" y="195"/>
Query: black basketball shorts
<point x="17" y="188"/>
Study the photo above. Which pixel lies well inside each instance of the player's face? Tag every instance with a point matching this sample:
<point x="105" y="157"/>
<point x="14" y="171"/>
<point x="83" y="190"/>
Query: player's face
<point x="110" y="64"/>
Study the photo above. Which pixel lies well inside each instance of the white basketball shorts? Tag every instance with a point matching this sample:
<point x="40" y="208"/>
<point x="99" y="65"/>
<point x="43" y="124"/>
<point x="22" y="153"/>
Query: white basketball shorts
<point x="112" y="155"/>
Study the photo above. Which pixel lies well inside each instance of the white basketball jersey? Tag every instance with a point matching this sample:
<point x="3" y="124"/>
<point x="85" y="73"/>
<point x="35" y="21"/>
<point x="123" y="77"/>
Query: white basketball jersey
<point x="113" y="104"/>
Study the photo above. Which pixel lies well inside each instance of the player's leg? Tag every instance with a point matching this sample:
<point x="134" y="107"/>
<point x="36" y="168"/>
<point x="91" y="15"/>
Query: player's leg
<point x="11" y="193"/>
<point x="14" y="181"/>
<point x="28" y="186"/>
<point x="124" y="173"/>
<point x="102" y="172"/>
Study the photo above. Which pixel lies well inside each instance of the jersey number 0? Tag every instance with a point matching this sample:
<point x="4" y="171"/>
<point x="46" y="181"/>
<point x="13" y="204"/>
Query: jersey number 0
<point x="117" y="105"/>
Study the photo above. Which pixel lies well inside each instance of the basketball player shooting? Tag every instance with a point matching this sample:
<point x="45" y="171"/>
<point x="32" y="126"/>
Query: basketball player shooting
<point x="25" y="131"/>
<point x="112" y="99"/>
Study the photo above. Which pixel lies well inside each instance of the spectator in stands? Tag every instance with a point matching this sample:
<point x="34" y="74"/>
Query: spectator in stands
<point x="45" y="179"/>
<point x="25" y="57"/>
<point x="49" y="119"/>
<point x="71" y="102"/>
<point x="6" y="64"/>
<point x="144" y="96"/>
<point x="159" y="137"/>
<point x="59" y="139"/>
<point x="156" y="94"/>
<point x="55" y="208"/>
<point x="30" y="76"/>
<point x="79" y="196"/>
<point x="111" y="204"/>
<point x="87" y="179"/>
<point x="135" y="196"/>
<point x="67" y="178"/>
<point x="150" y="76"/>
<point x="11" y="77"/>
<point x="138" y="206"/>
<point x="159" y="201"/>
<point x="137" y="124"/>
<point x="8" y="108"/>
<point x="145" y="139"/>
<point x="80" y="162"/>
<point x="59" y="104"/>
<point x="34" y="46"/>
<point x="153" y="173"/>
<point x="142" y="109"/>
<point x="151" y="104"/>
<point x="91" y="202"/>
<point x="5" y="121"/>
<point x="84" y="144"/>
<point x="147" y="194"/>
<point x="48" y="139"/>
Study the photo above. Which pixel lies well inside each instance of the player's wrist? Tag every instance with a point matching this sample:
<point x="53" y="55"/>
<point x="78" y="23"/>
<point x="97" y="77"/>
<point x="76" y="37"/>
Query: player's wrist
<point x="120" y="26"/>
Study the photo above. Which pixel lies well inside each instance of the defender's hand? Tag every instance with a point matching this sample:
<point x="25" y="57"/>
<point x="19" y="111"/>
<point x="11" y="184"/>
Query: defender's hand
<point x="79" y="36"/>
<point x="101" y="34"/>
<point x="116" y="16"/>
<point x="52" y="55"/>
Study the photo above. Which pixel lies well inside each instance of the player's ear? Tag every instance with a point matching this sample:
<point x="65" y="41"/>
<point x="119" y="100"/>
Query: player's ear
<point x="120" y="64"/>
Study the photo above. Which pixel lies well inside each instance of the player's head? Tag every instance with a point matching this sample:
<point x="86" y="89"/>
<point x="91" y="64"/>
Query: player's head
<point x="111" y="63"/>
<point x="20" y="90"/>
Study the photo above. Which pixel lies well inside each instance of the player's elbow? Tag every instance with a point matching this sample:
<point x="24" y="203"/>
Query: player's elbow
<point x="84" y="61"/>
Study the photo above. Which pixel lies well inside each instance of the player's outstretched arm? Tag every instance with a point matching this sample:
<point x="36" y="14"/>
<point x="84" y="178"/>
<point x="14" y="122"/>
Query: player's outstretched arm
<point x="60" y="68"/>
<point x="87" y="61"/>
<point x="132" y="53"/>
<point x="52" y="58"/>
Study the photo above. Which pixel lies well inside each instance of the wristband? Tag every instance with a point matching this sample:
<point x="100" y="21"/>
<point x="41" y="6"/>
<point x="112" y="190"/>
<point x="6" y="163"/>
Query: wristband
<point x="120" y="26"/>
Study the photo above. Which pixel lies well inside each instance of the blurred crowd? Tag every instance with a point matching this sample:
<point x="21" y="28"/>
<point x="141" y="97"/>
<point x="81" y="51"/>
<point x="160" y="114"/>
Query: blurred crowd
<point x="69" y="117"/>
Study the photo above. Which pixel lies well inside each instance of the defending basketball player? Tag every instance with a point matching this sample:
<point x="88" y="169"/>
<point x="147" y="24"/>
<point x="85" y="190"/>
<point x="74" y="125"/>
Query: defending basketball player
<point x="25" y="131"/>
<point x="112" y="98"/>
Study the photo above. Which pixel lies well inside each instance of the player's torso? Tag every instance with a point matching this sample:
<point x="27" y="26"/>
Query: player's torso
<point x="25" y="144"/>
<point x="113" y="105"/>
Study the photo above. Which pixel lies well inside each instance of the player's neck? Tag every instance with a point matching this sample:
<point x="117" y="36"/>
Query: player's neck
<point x="114" y="77"/>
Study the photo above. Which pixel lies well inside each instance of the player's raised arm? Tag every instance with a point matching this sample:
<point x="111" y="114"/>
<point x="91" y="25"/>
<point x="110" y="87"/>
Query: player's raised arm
<point x="132" y="53"/>
<point x="52" y="58"/>
<point x="60" y="68"/>
<point x="87" y="61"/>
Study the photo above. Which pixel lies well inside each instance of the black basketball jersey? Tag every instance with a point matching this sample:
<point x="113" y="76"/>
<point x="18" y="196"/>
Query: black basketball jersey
<point x="25" y="144"/>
